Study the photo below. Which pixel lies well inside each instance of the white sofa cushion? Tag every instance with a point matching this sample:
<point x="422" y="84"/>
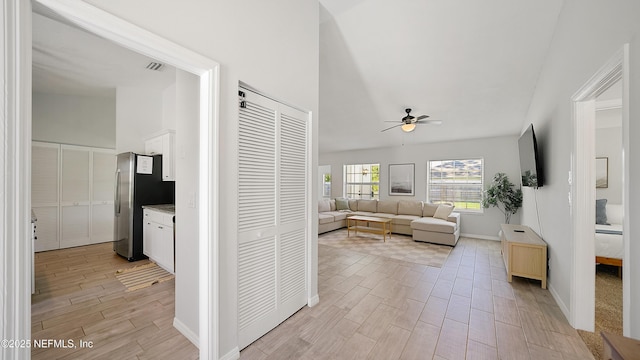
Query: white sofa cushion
<point x="434" y="225"/>
<point x="337" y="215"/>
<point x="368" y="205"/>
<point x="324" y="218"/>
<point x="408" y="207"/>
<point x="332" y="202"/>
<point x="388" y="207"/>
<point x="429" y="209"/>
<point x="384" y="215"/>
<point x="404" y="219"/>
<point x="353" y="204"/>
<point x="324" y="205"/>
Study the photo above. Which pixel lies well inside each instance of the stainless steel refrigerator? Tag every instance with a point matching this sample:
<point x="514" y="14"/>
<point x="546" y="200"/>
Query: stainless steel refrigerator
<point x="138" y="182"/>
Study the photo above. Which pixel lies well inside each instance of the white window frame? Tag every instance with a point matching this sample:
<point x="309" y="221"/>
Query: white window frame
<point x="430" y="182"/>
<point x="345" y="184"/>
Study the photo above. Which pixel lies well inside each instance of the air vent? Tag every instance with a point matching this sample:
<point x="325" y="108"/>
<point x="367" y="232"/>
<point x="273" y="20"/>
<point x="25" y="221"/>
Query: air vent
<point x="155" y="66"/>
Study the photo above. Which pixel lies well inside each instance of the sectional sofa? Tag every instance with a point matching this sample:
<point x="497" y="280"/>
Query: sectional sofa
<point x="423" y="221"/>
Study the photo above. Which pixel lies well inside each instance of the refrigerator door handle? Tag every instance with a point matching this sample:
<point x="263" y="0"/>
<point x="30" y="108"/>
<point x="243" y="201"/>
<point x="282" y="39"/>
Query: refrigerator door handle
<point x="116" y="199"/>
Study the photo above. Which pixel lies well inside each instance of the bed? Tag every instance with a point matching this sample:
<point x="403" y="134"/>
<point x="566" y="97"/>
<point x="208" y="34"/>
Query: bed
<point x="608" y="237"/>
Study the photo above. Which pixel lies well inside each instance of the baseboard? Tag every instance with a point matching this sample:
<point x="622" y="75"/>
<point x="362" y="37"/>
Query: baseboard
<point x="184" y="330"/>
<point x="481" y="237"/>
<point x="563" y="307"/>
<point x="232" y="355"/>
<point x="313" y="301"/>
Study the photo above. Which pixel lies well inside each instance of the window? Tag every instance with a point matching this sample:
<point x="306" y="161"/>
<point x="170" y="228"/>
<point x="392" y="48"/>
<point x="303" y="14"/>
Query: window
<point x="362" y="181"/>
<point x="456" y="181"/>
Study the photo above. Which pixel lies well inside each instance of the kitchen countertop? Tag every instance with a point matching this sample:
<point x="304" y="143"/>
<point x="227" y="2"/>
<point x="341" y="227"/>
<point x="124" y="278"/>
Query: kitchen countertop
<point x="165" y="208"/>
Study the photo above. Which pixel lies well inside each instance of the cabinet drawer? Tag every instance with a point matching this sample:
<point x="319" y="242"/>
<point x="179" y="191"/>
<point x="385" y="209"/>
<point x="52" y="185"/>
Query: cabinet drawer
<point x="158" y="217"/>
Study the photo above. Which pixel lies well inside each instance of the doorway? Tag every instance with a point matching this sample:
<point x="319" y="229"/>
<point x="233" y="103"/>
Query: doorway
<point x="583" y="190"/>
<point x="112" y="28"/>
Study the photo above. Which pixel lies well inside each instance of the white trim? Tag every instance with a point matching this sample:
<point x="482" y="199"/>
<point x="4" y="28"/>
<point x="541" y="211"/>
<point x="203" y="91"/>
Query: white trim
<point x="626" y="185"/>
<point x="180" y="326"/>
<point x="142" y="41"/>
<point x="313" y="301"/>
<point x="608" y="104"/>
<point x="582" y="292"/>
<point x="563" y="307"/>
<point x="481" y="237"/>
<point x="15" y="187"/>
<point x="231" y="355"/>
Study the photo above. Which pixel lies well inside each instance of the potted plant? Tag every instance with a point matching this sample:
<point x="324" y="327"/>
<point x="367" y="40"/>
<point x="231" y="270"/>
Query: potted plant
<point x="503" y="195"/>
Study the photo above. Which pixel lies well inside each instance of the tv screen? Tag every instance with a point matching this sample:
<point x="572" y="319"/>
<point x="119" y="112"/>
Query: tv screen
<point x="530" y="166"/>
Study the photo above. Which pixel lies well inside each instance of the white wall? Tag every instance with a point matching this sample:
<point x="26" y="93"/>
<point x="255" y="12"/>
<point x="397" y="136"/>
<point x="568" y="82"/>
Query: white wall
<point x="588" y="34"/>
<point x="187" y="147"/>
<point x="500" y="154"/>
<point x="138" y="115"/>
<point x="169" y="108"/>
<point x="74" y="119"/>
<point x="609" y="145"/>
<point x="271" y="46"/>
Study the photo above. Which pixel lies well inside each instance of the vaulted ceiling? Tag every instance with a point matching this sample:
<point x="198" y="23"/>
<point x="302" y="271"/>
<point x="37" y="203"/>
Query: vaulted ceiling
<point x="472" y="64"/>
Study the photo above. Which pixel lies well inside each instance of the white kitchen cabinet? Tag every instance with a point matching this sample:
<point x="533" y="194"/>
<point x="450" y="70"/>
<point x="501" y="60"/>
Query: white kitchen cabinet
<point x="157" y="238"/>
<point x="164" y="144"/>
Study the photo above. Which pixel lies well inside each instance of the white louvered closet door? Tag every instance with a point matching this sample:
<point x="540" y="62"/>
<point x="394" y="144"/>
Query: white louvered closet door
<point x="75" y="196"/>
<point x="103" y="165"/>
<point x="272" y="227"/>
<point x="45" y="195"/>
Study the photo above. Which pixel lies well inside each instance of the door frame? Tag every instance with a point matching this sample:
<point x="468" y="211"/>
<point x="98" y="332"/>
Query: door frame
<point x="15" y="175"/>
<point x="583" y="194"/>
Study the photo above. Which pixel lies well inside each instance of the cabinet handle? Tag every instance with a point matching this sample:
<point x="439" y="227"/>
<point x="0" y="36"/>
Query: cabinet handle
<point x="160" y="227"/>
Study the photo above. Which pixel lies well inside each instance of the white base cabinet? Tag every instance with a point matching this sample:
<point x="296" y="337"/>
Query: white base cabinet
<point x="157" y="238"/>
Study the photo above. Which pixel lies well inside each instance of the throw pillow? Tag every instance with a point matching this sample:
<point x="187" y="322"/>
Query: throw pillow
<point x="601" y="212"/>
<point x="342" y="204"/>
<point x="443" y="211"/>
<point x="324" y="205"/>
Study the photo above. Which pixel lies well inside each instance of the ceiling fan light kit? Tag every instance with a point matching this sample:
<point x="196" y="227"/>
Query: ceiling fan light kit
<point x="408" y="127"/>
<point x="408" y="123"/>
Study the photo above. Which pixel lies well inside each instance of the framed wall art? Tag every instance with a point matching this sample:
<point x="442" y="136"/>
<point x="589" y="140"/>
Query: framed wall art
<point x="402" y="179"/>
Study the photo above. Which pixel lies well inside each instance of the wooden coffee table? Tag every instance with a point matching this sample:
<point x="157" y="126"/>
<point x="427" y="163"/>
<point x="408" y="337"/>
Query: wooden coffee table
<point x="383" y="230"/>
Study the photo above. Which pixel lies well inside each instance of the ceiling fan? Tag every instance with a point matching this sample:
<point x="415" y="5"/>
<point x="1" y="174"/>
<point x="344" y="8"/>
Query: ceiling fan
<point x="409" y="122"/>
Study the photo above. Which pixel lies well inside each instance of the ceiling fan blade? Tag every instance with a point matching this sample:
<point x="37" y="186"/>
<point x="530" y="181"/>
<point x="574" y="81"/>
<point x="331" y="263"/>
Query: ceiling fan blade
<point x="430" y="122"/>
<point x="422" y="117"/>
<point x="394" y="126"/>
<point x="395" y="121"/>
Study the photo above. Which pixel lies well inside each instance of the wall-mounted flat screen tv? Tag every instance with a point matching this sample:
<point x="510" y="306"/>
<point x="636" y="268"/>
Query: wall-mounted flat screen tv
<point x="530" y="164"/>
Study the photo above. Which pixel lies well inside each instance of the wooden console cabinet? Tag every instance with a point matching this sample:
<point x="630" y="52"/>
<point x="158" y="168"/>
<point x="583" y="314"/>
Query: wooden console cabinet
<point x="524" y="253"/>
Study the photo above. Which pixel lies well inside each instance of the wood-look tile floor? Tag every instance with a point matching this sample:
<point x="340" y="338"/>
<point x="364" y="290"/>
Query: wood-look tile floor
<point x="78" y="298"/>
<point x="373" y="307"/>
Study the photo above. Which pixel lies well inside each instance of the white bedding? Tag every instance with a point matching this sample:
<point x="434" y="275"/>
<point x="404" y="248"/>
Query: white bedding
<point x="609" y="245"/>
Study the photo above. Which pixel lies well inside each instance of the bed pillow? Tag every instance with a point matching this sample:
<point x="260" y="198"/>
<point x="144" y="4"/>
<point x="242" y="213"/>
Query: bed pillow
<point x="342" y="204"/>
<point x="601" y="212"/>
